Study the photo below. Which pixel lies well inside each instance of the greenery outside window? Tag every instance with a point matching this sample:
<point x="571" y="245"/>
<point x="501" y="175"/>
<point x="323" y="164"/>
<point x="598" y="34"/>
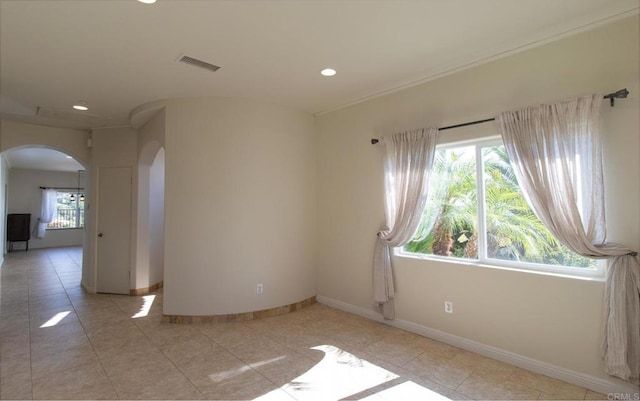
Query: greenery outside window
<point x="476" y="212"/>
<point x="70" y="211"/>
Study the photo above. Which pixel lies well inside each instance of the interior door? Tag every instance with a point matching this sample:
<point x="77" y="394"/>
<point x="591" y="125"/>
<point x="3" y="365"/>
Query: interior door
<point x="114" y="230"/>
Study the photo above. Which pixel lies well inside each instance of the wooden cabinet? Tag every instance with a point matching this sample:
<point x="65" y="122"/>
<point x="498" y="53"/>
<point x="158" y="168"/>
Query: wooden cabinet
<point x="18" y="229"/>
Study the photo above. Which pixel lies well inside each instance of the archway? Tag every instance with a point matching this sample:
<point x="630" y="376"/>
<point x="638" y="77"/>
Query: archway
<point x="25" y="171"/>
<point x="73" y="142"/>
<point x="149" y="269"/>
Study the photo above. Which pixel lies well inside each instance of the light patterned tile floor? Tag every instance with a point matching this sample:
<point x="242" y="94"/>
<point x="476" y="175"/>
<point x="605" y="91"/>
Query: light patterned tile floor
<point x="58" y="342"/>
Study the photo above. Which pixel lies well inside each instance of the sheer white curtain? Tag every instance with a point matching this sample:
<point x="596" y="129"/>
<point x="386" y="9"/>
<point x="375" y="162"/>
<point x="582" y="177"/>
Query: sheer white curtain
<point x="48" y="211"/>
<point x="408" y="158"/>
<point x="556" y="154"/>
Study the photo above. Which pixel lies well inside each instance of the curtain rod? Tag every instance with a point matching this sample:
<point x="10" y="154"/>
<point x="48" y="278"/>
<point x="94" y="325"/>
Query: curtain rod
<point x="76" y="188"/>
<point x="621" y="94"/>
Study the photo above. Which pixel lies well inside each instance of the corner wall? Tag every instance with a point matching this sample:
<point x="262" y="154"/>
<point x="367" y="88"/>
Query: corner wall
<point x="111" y="147"/>
<point x="551" y="319"/>
<point x="240" y="206"/>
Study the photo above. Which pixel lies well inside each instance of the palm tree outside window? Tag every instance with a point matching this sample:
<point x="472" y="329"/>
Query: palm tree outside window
<point x="476" y="211"/>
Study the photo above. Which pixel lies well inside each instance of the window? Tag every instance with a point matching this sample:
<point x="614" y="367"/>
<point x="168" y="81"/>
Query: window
<point x="70" y="211"/>
<point x="476" y="211"/>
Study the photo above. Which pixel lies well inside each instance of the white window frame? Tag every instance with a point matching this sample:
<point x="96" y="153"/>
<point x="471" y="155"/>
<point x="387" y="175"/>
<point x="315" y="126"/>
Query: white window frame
<point x="78" y="211"/>
<point x="596" y="273"/>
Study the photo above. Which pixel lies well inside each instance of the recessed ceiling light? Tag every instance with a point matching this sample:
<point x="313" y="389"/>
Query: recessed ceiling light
<point x="147" y="1"/>
<point x="328" y="72"/>
<point x="69" y="157"/>
<point x="81" y="105"/>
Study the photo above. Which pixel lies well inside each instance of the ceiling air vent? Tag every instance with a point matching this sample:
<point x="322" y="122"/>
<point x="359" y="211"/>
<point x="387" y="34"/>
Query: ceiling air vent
<point x="198" y="63"/>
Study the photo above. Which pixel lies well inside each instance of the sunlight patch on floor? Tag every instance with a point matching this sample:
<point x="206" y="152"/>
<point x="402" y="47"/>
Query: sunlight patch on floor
<point x="406" y="391"/>
<point x="55" y="319"/>
<point x="218" y="377"/>
<point x="338" y="375"/>
<point x="146" y="306"/>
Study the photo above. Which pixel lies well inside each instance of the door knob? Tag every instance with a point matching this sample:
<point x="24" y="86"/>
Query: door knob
<point x="100" y="235"/>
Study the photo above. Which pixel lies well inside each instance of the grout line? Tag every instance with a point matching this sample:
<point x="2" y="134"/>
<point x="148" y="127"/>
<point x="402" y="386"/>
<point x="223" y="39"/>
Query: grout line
<point x="169" y="359"/>
<point x="29" y="329"/>
<point x="154" y="345"/>
<point x="104" y="370"/>
<point x="414" y="358"/>
<point x="242" y="360"/>
<point x="115" y="391"/>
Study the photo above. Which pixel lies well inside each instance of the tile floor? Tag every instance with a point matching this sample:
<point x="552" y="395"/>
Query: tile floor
<point x="58" y="342"/>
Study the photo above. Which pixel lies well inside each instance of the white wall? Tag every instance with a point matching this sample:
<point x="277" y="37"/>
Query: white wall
<point x="25" y="196"/>
<point x="4" y="194"/>
<point x="156" y="219"/>
<point x="555" y="320"/>
<point x="111" y="147"/>
<point x="14" y="134"/>
<point x="240" y="206"/>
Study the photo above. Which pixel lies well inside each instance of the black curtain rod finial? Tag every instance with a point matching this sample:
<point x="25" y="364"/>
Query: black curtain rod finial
<point x="621" y="94"/>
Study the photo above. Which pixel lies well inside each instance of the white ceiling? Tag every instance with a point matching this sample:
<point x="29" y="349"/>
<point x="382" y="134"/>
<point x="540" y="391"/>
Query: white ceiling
<point x="120" y="54"/>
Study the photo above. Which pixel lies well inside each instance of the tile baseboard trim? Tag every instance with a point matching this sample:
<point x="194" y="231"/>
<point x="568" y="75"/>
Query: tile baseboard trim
<point x="147" y="290"/>
<point x="236" y="317"/>
<point x="593" y="383"/>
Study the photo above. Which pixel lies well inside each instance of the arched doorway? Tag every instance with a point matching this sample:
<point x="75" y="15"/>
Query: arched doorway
<point x="149" y="269"/>
<point x="27" y="170"/>
<point x="72" y="142"/>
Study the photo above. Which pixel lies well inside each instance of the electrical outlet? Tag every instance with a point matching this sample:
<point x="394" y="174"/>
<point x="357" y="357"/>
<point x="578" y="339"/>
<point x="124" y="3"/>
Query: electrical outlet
<point x="259" y="289"/>
<point x="448" y="306"/>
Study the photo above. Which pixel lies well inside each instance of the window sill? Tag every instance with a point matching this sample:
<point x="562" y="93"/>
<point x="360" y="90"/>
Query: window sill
<point x="65" y="228"/>
<point x="597" y="274"/>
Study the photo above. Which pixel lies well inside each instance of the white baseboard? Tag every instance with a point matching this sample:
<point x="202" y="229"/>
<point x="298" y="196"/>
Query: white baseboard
<point x="593" y="383"/>
<point x="90" y="290"/>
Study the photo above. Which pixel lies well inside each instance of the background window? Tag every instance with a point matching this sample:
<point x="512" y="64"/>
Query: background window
<point x="70" y="213"/>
